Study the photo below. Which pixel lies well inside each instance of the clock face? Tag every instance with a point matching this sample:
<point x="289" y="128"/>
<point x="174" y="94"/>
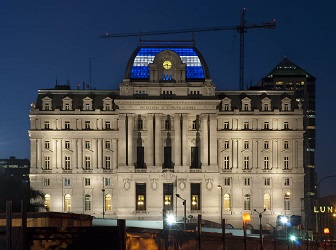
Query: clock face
<point x="167" y="64"/>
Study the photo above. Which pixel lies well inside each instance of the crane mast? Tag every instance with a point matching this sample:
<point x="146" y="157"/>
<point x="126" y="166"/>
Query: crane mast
<point x="241" y="29"/>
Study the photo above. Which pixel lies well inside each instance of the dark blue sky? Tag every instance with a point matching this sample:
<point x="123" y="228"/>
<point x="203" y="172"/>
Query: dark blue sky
<point x="42" y="40"/>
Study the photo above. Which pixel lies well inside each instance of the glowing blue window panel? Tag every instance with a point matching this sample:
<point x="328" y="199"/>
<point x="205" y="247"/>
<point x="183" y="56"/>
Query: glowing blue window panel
<point x="145" y="56"/>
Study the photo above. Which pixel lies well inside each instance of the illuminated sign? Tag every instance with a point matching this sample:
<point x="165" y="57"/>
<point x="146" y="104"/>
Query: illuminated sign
<point x="324" y="209"/>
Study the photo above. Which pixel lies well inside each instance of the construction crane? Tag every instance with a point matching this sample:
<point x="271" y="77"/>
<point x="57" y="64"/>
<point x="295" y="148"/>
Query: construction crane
<point x="241" y="29"/>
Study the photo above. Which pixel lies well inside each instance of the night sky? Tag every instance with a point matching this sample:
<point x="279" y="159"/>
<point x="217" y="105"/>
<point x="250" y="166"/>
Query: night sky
<point x="42" y="41"/>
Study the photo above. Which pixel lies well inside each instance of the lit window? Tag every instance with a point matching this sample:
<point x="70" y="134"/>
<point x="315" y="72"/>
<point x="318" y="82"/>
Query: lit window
<point x="108" y="202"/>
<point x="267" y="202"/>
<point x="47" y="202"/>
<point x="140" y="196"/>
<point x="67" y="203"/>
<point x="227" y="202"/>
<point x="247" y="202"/>
<point x="195" y="196"/>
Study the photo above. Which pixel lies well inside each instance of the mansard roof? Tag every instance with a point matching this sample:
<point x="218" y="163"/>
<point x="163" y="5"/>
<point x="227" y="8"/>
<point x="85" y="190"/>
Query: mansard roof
<point x="138" y="64"/>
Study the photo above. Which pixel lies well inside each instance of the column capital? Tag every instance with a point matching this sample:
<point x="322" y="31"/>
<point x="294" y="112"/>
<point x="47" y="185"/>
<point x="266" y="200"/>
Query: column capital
<point x="185" y="116"/>
<point x="122" y="116"/>
<point x="149" y="116"/>
<point x="212" y="116"/>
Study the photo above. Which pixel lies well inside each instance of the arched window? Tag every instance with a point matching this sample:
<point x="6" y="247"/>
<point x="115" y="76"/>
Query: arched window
<point x="88" y="201"/>
<point x="267" y="202"/>
<point x="227" y="202"/>
<point x="47" y="202"/>
<point x="67" y="203"/>
<point x="287" y="201"/>
<point x="108" y="202"/>
<point x="247" y="202"/>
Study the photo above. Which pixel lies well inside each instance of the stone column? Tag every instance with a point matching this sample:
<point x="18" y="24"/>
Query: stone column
<point x="213" y="139"/>
<point x="234" y="153"/>
<point x="150" y="141"/>
<point x="158" y="143"/>
<point x="130" y="132"/>
<point x="204" y="140"/>
<point x="185" y="148"/>
<point x="39" y="154"/>
<point x="100" y="153"/>
<point x="122" y="139"/>
<point x="177" y="139"/>
<point x="59" y="153"/>
<point x="80" y="153"/>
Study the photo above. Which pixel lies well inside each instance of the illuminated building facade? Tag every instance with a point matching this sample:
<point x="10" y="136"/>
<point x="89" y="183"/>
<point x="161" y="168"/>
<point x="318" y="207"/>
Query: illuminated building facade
<point x="167" y="131"/>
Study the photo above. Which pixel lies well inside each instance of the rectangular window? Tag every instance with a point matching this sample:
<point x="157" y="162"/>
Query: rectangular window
<point x="266" y="145"/>
<point x="226" y="162"/>
<point x="46" y="106"/>
<point x="107" y="125"/>
<point x="87" y="162"/>
<point x="286" y="107"/>
<point x="286" y="162"/>
<point x="168" y="201"/>
<point x="167" y="158"/>
<point x="226" y="144"/>
<point x="67" y="125"/>
<point x="87" y="181"/>
<point x="67" y="144"/>
<point x="47" y="162"/>
<point x="246" y="144"/>
<point x="46" y="182"/>
<point x="226" y="125"/>
<point x="195" y="196"/>
<point x="227" y="181"/>
<point x="107" y="181"/>
<point x="286" y="125"/>
<point x="286" y="182"/>
<point x="167" y="124"/>
<point x="67" y="182"/>
<point x="247" y="202"/>
<point x="87" y="202"/>
<point x="266" y="125"/>
<point x="267" y="181"/>
<point x="247" y="181"/>
<point x="140" y="196"/>
<point x="107" y="106"/>
<point x="246" y="125"/>
<point x="46" y="125"/>
<point x="87" y="106"/>
<point x="140" y="163"/>
<point x="67" y="165"/>
<point x="67" y="106"/>
<point x="194" y="157"/>
<point x="87" y="125"/>
<point x="107" y="162"/>
<point x="266" y="162"/>
<point x="226" y="107"/>
<point x="47" y="145"/>
<point x="246" y="162"/>
<point x="286" y="145"/>
<point x="108" y="144"/>
<point x="266" y="107"/>
<point x="87" y="144"/>
<point x="246" y="107"/>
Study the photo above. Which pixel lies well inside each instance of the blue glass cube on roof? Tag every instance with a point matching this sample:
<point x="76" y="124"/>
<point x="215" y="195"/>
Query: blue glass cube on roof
<point x="145" y="56"/>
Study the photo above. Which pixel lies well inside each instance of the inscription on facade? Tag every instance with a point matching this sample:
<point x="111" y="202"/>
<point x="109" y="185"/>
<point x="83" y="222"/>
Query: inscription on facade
<point x="168" y="107"/>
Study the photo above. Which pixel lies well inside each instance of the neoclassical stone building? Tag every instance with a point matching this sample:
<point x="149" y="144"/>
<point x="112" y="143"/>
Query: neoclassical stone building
<point x="126" y="153"/>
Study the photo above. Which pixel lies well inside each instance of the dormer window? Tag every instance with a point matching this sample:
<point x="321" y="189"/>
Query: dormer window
<point x="226" y="104"/>
<point x="67" y="103"/>
<point x="266" y="104"/>
<point x="286" y="104"/>
<point x="46" y="103"/>
<point x="246" y="104"/>
<point x="107" y="103"/>
<point x="87" y="103"/>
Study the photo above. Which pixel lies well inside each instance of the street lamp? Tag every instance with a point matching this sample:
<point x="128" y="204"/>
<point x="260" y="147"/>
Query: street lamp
<point x="185" y="210"/>
<point x="103" y="190"/>
<point x="246" y="218"/>
<point x="221" y="201"/>
<point x="260" y="226"/>
<point x="326" y="233"/>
